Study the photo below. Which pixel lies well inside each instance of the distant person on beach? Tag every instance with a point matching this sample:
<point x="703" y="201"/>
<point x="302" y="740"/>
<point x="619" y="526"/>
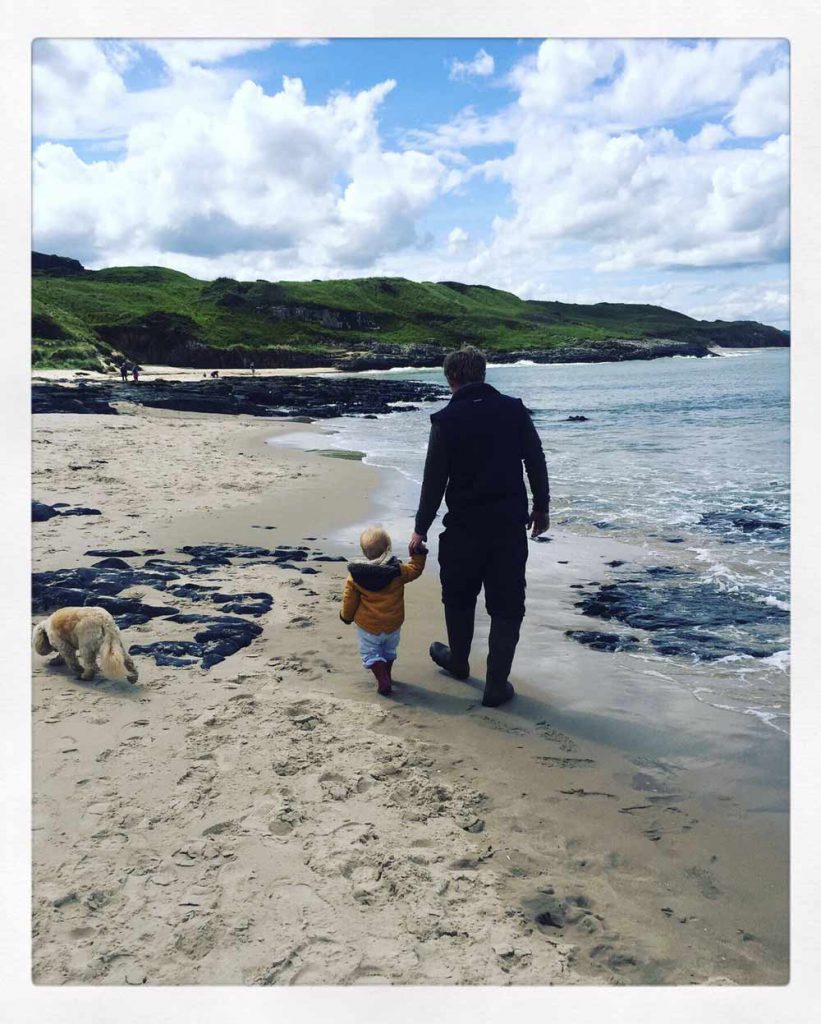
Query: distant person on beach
<point x="253" y="370"/>
<point x="124" y="371"/>
<point x="477" y="446"/>
<point x="135" y="372"/>
<point x="374" y="598"/>
<point x="215" y="373"/>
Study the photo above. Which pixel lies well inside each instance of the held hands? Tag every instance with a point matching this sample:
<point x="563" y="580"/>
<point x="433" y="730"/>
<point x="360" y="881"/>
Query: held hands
<point x="417" y="545"/>
<point x="540" y="523"/>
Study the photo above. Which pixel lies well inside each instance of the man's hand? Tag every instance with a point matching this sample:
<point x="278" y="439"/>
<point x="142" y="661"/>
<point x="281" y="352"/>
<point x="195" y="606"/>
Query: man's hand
<point x="417" y="544"/>
<point x="540" y="523"/>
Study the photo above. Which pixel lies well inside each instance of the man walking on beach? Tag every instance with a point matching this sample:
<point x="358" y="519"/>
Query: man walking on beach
<point x="477" y="445"/>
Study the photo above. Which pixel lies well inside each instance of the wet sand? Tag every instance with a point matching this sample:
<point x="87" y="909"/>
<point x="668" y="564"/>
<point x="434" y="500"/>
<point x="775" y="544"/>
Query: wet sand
<point x="274" y="821"/>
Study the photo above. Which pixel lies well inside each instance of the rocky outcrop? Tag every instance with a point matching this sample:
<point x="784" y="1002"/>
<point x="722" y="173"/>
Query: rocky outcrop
<point x="40" y="512"/>
<point x="56" y="266"/>
<point x="687" y="616"/>
<point x="222" y="636"/>
<point x="317" y="398"/>
<point x="386" y="357"/>
<point x="219" y="636"/>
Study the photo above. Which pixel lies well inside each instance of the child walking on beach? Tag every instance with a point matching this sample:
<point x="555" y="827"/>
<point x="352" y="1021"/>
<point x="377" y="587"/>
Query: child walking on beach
<point x="374" y="599"/>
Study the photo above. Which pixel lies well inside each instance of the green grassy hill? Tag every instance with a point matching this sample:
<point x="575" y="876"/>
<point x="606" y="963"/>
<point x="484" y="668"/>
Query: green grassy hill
<point x="84" y="319"/>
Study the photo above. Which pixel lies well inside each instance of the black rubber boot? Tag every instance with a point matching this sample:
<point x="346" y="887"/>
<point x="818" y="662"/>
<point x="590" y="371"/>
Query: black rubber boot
<point x="504" y="635"/>
<point x="454" y="659"/>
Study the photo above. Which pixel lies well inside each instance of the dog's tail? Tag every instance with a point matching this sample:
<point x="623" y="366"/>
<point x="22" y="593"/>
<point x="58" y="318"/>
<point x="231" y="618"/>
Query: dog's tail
<point x="112" y="656"/>
<point x="40" y="640"/>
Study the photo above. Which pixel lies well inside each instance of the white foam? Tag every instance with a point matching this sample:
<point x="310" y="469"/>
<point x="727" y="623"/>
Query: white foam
<point x="393" y="369"/>
<point x="763" y="714"/>
<point x="779" y="660"/>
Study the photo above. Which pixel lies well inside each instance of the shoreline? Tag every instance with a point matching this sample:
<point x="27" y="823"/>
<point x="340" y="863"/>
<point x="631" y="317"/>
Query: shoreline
<point x="567" y="814"/>
<point x="396" y="365"/>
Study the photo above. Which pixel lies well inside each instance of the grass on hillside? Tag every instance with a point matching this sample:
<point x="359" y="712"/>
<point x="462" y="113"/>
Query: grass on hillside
<point x="74" y="312"/>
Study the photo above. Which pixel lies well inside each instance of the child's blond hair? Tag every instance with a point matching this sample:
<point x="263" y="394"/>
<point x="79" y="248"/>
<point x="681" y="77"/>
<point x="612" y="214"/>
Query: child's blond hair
<point x="374" y="541"/>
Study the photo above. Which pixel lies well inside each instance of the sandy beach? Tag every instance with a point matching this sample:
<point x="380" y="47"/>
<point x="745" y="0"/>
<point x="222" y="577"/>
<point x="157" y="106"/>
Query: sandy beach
<point x="272" y="820"/>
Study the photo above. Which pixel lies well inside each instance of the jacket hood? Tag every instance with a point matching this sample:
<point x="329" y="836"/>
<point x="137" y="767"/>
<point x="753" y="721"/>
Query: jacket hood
<point x="374" y="577"/>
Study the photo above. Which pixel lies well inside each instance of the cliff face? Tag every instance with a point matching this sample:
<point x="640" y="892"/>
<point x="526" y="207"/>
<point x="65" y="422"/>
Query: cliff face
<point x="154" y="315"/>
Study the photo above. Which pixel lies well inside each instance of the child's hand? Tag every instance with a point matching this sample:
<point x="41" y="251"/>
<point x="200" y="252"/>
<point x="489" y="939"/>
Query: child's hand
<point x="421" y="548"/>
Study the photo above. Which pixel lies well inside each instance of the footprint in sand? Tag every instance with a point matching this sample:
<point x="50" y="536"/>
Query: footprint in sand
<point x="552" y="734"/>
<point x="704" y="880"/>
<point x="587" y="792"/>
<point x="565" y="762"/>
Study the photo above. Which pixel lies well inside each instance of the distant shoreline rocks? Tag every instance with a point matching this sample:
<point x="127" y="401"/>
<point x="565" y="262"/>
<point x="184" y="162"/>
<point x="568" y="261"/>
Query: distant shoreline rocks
<point x="308" y="398"/>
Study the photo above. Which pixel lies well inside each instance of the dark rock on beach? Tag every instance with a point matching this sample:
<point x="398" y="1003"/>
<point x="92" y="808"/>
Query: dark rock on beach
<point x="689" y="616"/>
<point x="744" y="520"/>
<point x="603" y="641"/>
<point x="175" y="653"/>
<point x="90" y="586"/>
<point x="112" y="553"/>
<point x="245" y="604"/>
<point x="41" y="512"/>
<point x="81" y="511"/>
<point x="314" y="397"/>
<point x="222" y="636"/>
<point x="211" y="552"/>
<point x="193" y="591"/>
<point x="707" y="646"/>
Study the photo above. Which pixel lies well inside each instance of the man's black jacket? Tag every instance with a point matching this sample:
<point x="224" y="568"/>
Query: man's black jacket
<point x="477" y="445"/>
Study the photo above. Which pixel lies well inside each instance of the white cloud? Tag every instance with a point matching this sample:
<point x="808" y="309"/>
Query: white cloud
<point x="457" y="240"/>
<point x="633" y="83"/>
<point x="481" y="66"/>
<point x="77" y="89"/>
<point x="709" y="136"/>
<point x="310" y="42"/>
<point x="593" y="167"/>
<point x="629" y="161"/>
<point x="763" y="108"/>
<point x="181" y="54"/>
<point x="255" y="173"/>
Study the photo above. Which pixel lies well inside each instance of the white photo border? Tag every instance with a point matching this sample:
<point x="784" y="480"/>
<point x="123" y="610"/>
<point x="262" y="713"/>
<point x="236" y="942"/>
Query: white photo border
<point x="794" y="20"/>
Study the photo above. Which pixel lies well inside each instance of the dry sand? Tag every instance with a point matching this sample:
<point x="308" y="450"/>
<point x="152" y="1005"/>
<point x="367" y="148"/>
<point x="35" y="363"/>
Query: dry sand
<point x="274" y="821"/>
<point x="152" y="372"/>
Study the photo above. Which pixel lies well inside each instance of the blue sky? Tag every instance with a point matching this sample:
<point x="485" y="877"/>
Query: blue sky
<point x="582" y="170"/>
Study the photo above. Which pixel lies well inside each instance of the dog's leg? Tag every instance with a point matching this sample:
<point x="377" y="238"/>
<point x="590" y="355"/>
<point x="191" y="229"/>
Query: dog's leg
<point x="88" y="654"/>
<point x="131" y="669"/>
<point x="67" y="653"/>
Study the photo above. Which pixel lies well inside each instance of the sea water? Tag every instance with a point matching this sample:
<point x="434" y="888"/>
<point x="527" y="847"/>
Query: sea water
<point x="687" y="457"/>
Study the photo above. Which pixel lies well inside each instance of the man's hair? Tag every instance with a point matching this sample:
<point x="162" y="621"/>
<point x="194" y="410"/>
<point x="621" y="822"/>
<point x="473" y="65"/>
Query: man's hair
<point x="466" y="366"/>
<point x="374" y="542"/>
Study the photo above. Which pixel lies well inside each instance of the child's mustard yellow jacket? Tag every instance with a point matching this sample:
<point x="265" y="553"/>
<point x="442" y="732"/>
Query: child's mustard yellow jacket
<point x="374" y="597"/>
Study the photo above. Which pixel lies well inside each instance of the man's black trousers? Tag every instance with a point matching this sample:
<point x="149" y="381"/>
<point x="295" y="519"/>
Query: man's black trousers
<point x="472" y="557"/>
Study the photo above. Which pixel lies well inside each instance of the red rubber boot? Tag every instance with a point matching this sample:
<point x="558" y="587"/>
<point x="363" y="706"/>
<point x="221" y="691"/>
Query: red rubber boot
<point x="383" y="679"/>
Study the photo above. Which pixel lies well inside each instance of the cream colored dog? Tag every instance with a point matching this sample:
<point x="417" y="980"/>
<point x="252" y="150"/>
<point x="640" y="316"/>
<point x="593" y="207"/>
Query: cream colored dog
<point x="90" y="632"/>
